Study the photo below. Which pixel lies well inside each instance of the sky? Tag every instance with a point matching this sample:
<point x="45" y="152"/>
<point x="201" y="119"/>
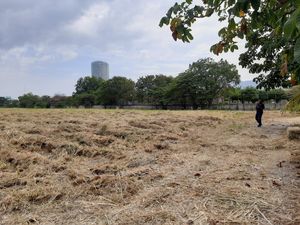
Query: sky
<point x="47" y="45"/>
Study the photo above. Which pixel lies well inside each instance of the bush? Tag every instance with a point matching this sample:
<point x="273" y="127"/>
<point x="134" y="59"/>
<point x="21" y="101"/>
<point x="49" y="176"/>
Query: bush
<point x="294" y="103"/>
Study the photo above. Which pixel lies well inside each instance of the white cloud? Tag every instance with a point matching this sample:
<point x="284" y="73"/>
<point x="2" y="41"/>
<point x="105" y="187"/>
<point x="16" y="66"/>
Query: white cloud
<point x="90" y="22"/>
<point x="66" y="53"/>
<point x="22" y="57"/>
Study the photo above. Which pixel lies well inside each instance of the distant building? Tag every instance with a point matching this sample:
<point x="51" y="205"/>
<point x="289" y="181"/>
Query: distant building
<point x="100" y="69"/>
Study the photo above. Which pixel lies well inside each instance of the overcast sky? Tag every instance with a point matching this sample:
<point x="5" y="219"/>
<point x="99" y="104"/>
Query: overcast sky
<point x="46" y="45"/>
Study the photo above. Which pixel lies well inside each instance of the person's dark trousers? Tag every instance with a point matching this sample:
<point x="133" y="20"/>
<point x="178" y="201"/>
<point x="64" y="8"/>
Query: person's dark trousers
<point x="258" y="118"/>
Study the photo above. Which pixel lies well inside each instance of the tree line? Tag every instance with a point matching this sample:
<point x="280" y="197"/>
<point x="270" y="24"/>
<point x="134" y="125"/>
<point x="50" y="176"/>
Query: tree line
<point x="199" y="86"/>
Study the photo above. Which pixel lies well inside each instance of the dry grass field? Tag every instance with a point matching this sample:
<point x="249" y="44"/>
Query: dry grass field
<point x="147" y="167"/>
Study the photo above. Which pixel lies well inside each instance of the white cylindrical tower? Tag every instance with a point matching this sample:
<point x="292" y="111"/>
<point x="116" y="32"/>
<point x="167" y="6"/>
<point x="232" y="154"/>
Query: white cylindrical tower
<point x="100" y="69"/>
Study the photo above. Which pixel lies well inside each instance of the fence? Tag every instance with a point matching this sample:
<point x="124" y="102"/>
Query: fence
<point x="247" y="106"/>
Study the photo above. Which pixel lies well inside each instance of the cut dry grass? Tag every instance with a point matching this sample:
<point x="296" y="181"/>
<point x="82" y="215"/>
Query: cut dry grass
<point x="294" y="133"/>
<point x="147" y="167"/>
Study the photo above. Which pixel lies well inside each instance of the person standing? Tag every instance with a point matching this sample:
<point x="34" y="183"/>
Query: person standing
<point x="259" y="112"/>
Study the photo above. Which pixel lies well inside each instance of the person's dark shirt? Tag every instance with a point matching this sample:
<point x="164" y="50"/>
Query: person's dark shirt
<point x="260" y="107"/>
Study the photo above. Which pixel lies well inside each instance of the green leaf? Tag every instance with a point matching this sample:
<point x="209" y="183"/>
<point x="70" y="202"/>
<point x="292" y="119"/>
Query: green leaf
<point x="255" y="4"/>
<point x="231" y="2"/>
<point x="213" y="48"/>
<point x="297" y="20"/>
<point x="243" y="5"/>
<point x="209" y="12"/>
<point x="189" y="1"/>
<point x="170" y="11"/>
<point x="231" y="24"/>
<point x="198" y="9"/>
<point x="222" y="31"/>
<point x="240" y="35"/>
<point x="181" y="29"/>
<point x="292" y="23"/>
<point x="164" y="20"/>
<point x="190" y="13"/>
<point x="233" y="47"/>
<point x="190" y="36"/>
<point x="297" y="51"/>
<point x="176" y="8"/>
<point x="289" y="27"/>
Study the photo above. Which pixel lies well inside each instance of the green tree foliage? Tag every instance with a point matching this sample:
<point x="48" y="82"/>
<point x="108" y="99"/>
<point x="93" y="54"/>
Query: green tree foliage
<point x="61" y="101"/>
<point x="3" y="101"/>
<point x="277" y="95"/>
<point x="294" y="103"/>
<point x="249" y="94"/>
<point x="116" y="91"/>
<point x="263" y="95"/>
<point x="8" y="102"/>
<point x="151" y="89"/>
<point x="13" y="103"/>
<point x="29" y="100"/>
<point x="86" y="90"/>
<point x="85" y="99"/>
<point x="87" y="85"/>
<point x="44" y="102"/>
<point x="204" y="81"/>
<point x="271" y="29"/>
<point x="233" y="94"/>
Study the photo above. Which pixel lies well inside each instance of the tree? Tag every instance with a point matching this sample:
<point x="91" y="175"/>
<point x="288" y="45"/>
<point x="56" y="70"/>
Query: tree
<point x="277" y="95"/>
<point x="150" y="89"/>
<point x="87" y="85"/>
<point x="85" y="99"/>
<point x="271" y="29"/>
<point x="294" y="103"/>
<point x="86" y="90"/>
<point x="263" y="95"/>
<point x="44" y="102"/>
<point x="234" y="94"/>
<point x="116" y="91"/>
<point x="13" y="103"/>
<point x="29" y="100"/>
<point x="249" y="94"/>
<point x="61" y="101"/>
<point x="204" y="81"/>
<point x="3" y="101"/>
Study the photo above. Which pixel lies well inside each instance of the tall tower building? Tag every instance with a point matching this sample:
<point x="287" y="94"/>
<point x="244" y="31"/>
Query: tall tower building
<point x="100" y="69"/>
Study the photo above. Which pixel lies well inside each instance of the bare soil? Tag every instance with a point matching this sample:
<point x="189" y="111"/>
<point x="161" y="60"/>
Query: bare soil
<point x="147" y="167"/>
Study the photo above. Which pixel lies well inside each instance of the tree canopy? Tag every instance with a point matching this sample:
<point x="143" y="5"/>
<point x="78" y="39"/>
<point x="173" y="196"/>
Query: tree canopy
<point x="271" y="29"/>
<point x="151" y="88"/>
<point x="203" y="82"/>
<point x="87" y="85"/>
<point x="29" y="100"/>
<point x="117" y="91"/>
